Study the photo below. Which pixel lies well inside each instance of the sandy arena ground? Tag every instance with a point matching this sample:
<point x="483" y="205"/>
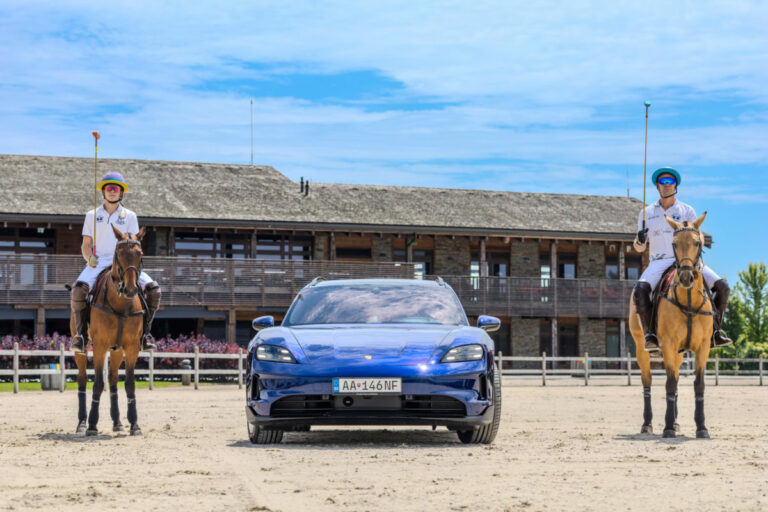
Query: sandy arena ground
<point x="563" y="447"/>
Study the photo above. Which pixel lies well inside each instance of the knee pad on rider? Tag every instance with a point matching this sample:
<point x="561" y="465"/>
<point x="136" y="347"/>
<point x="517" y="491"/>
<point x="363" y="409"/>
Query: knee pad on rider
<point x="642" y="296"/>
<point x="79" y="294"/>
<point x="721" y="293"/>
<point x="153" y="293"/>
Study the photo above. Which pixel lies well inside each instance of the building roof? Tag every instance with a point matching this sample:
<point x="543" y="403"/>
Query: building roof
<point x="63" y="186"/>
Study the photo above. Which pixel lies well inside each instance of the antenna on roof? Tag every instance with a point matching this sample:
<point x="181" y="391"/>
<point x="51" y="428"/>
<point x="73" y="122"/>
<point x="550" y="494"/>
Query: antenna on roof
<point x="627" y="181"/>
<point x="251" y="132"/>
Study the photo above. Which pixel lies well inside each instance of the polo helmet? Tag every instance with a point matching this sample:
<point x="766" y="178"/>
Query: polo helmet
<point x="665" y="170"/>
<point x="115" y="178"/>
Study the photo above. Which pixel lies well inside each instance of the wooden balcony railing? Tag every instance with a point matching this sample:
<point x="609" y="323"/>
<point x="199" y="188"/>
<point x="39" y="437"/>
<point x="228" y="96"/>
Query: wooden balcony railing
<point x="222" y="283"/>
<point x="537" y="297"/>
<point x="248" y="284"/>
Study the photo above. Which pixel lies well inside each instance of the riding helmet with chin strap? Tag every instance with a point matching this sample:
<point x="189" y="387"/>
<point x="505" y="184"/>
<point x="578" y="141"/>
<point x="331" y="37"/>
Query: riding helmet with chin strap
<point x="113" y="178"/>
<point x="665" y="170"/>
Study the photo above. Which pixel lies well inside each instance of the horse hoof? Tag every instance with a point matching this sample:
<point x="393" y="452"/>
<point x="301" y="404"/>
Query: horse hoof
<point x="669" y="432"/>
<point x="136" y="431"/>
<point x="646" y="429"/>
<point x="92" y="432"/>
<point x="677" y="427"/>
<point x="702" y="434"/>
<point x="117" y="428"/>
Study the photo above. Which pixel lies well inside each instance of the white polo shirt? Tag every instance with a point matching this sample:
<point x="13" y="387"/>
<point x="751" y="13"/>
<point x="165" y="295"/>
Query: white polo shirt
<point x="122" y="218"/>
<point x="660" y="233"/>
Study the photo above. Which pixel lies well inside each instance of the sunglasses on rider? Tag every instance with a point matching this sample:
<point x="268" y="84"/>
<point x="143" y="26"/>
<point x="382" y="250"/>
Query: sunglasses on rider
<point x="666" y="180"/>
<point x="113" y="188"/>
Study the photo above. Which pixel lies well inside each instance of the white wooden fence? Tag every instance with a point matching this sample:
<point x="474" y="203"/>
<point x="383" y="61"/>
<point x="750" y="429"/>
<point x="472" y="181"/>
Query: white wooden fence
<point x="583" y="367"/>
<point x="543" y="367"/>
<point x="194" y="372"/>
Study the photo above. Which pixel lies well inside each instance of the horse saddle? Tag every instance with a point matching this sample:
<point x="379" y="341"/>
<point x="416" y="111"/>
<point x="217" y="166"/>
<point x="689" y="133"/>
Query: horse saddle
<point x="660" y="291"/>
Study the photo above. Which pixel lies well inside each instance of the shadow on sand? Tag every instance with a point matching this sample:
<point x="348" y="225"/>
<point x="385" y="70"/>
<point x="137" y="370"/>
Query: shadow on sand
<point x="355" y="439"/>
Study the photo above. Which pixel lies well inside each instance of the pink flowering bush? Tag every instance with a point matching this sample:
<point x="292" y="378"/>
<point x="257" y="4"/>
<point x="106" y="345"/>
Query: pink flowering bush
<point x="182" y="343"/>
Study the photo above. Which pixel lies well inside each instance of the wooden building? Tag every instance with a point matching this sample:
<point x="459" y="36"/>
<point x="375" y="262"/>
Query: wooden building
<point x="228" y="242"/>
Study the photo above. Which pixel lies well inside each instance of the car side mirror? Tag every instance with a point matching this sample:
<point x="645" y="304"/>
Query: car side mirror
<point x="488" y="323"/>
<point x="263" y="322"/>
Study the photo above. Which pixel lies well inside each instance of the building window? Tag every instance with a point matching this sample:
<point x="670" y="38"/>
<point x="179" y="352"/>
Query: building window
<point x="284" y="247"/>
<point x="633" y="266"/>
<point x="353" y="253"/>
<point x="612" y="342"/>
<point x="27" y="241"/>
<point x="611" y="268"/>
<point x="566" y="266"/>
<point x="211" y="245"/>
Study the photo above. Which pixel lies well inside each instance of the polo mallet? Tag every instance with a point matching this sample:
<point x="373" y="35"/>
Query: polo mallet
<point x="645" y="156"/>
<point x="93" y="260"/>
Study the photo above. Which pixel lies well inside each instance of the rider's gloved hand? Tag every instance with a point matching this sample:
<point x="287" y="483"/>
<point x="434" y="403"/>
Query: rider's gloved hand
<point x="642" y="236"/>
<point x="93" y="261"/>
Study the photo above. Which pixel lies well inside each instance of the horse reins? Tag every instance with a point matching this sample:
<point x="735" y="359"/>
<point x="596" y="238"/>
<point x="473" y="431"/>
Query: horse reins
<point x="687" y="309"/>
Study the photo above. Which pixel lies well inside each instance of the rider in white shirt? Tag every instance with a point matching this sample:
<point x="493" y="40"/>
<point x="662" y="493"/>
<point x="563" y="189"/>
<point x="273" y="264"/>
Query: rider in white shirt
<point x="658" y="235"/>
<point x="111" y="213"/>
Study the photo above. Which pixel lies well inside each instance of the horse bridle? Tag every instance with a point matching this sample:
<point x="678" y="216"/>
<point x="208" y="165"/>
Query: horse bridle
<point x="121" y="270"/>
<point x="696" y="263"/>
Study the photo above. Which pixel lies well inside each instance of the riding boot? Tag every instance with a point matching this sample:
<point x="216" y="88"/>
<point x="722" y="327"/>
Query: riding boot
<point x="720" y="295"/>
<point x="78" y="306"/>
<point x="642" y="297"/>
<point x="152" y="295"/>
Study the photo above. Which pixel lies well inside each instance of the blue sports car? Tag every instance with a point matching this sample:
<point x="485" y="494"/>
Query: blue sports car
<point x="373" y="352"/>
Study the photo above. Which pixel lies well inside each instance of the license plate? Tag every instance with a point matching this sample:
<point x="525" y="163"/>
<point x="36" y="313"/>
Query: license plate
<point x="367" y="386"/>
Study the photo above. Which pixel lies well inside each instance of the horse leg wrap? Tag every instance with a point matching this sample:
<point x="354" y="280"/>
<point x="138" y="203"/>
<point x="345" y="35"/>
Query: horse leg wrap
<point x="698" y="415"/>
<point x="647" y="411"/>
<point x="82" y="413"/>
<point x="114" y="411"/>
<point x="669" y="418"/>
<point x="132" y="415"/>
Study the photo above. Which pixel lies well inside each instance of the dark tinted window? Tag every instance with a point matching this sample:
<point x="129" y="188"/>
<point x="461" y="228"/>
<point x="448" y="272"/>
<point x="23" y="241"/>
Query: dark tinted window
<point x="376" y="303"/>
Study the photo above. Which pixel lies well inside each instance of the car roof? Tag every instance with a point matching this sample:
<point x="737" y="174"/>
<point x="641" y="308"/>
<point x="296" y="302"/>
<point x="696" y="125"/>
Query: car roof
<point x="381" y="281"/>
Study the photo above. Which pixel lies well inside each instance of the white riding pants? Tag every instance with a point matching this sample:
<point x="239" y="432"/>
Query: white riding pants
<point x="652" y="273"/>
<point x="89" y="275"/>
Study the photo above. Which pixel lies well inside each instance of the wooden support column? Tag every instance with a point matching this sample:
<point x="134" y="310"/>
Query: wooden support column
<point x="200" y="326"/>
<point x="40" y="322"/>
<point x="254" y="244"/>
<point x="171" y="242"/>
<point x="332" y="248"/>
<point x="553" y="286"/>
<point x="623" y="338"/>
<point x="483" y="269"/>
<point x="231" y="326"/>
<point x="622" y="261"/>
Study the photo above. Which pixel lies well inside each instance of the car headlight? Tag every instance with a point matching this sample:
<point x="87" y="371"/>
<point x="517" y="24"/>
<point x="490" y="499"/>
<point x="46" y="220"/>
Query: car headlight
<point x="274" y="353"/>
<point x="463" y="353"/>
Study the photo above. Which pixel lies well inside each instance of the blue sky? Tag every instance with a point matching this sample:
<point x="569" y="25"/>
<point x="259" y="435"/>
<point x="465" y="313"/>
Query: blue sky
<point x="532" y="96"/>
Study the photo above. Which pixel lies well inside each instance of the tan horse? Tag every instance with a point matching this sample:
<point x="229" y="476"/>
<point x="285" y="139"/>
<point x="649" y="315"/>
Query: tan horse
<point x="685" y="323"/>
<point x="116" y="325"/>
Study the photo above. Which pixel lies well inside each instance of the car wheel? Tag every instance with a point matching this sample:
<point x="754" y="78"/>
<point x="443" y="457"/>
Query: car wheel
<point x="487" y="433"/>
<point x="258" y="435"/>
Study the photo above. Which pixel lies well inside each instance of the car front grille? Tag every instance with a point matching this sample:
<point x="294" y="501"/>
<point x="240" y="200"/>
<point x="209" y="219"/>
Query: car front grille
<point x="422" y="406"/>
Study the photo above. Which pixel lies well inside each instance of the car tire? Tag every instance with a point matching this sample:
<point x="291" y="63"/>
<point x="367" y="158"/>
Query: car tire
<point x="258" y="435"/>
<point x="486" y="433"/>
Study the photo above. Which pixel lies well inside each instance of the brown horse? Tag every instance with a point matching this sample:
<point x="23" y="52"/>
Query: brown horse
<point x="684" y="323"/>
<point x="116" y="325"/>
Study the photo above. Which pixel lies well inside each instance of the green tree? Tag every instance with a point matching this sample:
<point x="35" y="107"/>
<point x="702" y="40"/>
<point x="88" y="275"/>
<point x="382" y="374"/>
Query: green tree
<point x="747" y="315"/>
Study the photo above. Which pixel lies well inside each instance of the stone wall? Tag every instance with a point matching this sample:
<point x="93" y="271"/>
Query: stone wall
<point x="524" y="259"/>
<point x="524" y="336"/>
<point x="592" y="337"/>
<point x="452" y="257"/>
<point x="319" y="248"/>
<point x="591" y="261"/>
<point x="381" y="249"/>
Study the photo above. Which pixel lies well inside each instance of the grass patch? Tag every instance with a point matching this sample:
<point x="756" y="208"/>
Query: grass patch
<point x="35" y="386"/>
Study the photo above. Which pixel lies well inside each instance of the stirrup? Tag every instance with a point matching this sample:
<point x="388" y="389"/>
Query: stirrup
<point x="78" y="344"/>
<point x="148" y="342"/>
<point x="652" y="343"/>
<point x="720" y="339"/>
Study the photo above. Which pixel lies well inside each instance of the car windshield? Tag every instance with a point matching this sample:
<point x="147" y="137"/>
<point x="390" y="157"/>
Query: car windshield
<point x="376" y="304"/>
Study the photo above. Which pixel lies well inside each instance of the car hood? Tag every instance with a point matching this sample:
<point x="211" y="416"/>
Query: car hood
<point x="379" y="345"/>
